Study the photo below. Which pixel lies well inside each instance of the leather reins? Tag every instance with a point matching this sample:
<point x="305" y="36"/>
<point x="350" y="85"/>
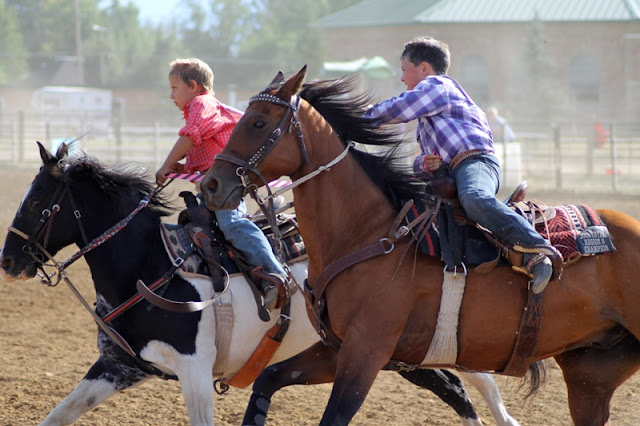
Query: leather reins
<point x="38" y="251"/>
<point x="381" y="247"/>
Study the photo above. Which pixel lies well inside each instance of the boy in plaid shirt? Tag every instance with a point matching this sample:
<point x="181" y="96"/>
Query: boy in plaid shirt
<point x="208" y="125"/>
<point x="453" y="132"/>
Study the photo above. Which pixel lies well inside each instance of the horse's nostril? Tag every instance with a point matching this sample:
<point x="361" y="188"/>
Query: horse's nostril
<point x="6" y="263"/>
<point x="212" y="184"/>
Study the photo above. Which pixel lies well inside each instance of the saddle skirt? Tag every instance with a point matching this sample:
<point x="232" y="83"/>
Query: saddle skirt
<point x="574" y="230"/>
<point x="177" y="243"/>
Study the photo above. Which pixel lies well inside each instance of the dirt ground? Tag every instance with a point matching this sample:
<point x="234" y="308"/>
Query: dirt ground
<point x="47" y="343"/>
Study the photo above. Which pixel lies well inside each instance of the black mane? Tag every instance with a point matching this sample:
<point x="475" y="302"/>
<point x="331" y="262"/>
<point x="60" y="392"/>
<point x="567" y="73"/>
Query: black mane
<point x="334" y="100"/>
<point x="124" y="185"/>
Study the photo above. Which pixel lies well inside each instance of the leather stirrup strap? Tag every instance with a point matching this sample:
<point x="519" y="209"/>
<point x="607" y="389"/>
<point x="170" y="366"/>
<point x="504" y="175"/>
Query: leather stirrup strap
<point x="527" y="340"/>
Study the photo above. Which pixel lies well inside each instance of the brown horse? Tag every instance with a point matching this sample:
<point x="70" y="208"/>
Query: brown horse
<point x="385" y="308"/>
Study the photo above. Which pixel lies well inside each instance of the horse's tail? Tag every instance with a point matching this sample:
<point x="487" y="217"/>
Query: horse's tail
<point x="535" y="377"/>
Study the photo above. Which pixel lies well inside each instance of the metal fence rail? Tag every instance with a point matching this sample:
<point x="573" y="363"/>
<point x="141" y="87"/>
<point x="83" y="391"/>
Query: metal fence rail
<point x="551" y="157"/>
<point x="110" y="144"/>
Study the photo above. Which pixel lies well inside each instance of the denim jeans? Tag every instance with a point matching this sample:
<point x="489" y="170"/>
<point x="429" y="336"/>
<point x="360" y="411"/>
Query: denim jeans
<point x="245" y="236"/>
<point x="478" y="180"/>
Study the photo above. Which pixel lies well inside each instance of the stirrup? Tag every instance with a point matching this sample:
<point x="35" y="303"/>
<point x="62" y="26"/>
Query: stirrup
<point x="542" y="264"/>
<point x="268" y="282"/>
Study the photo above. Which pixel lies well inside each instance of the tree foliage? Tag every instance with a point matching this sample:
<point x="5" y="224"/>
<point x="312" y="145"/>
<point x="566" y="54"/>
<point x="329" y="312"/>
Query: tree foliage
<point x="244" y="41"/>
<point x="540" y="93"/>
<point x="13" y="63"/>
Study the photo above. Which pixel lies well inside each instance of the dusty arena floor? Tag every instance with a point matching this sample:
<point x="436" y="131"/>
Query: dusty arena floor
<point x="47" y="343"/>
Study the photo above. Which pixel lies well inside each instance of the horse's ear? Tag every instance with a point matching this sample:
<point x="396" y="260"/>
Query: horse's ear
<point x="63" y="151"/>
<point x="276" y="83"/>
<point x="47" y="157"/>
<point x="292" y="86"/>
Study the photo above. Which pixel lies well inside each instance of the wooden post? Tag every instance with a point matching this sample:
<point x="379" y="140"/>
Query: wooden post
<point x="20" y="136"/>
<point x="156" y="145"/>
<point x="557" y="156"/>
<point x="614" y="166"/>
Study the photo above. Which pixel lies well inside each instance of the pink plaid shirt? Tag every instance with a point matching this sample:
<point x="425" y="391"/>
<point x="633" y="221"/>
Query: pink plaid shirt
<point x="208" y="123"/>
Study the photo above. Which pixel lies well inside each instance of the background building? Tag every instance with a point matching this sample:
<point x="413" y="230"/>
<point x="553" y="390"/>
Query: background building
<point x="536" y="60"/>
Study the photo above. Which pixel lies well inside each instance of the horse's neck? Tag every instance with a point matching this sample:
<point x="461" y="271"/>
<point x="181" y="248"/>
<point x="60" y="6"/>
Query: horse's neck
<point x="339" y="210"/>
<point x="120" y="261"/>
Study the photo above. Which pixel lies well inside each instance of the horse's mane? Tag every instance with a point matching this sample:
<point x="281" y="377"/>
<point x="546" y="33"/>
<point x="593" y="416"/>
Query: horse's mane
<point x="335" y="101"/>
<point x="124" y="184"/>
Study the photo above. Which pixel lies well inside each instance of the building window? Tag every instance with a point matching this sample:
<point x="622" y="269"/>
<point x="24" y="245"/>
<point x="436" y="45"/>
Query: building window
<point x="585" y="80"/>
<point x="475" y="78"/>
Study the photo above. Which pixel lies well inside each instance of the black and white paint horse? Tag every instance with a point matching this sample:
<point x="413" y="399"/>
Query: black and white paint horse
<point x="74" y="200"/>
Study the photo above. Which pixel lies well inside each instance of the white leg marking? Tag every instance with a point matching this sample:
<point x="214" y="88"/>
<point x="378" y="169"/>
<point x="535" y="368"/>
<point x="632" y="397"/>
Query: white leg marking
<point x="86" y="395"/>
<point x="486" y="385"/>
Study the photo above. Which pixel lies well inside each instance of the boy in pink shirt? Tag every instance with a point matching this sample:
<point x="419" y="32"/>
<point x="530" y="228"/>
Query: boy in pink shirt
<point x="208" y="125"/>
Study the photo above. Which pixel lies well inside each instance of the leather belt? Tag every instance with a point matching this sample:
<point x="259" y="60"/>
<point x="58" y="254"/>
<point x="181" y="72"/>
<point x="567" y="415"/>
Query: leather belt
<point x="461" y="156"/>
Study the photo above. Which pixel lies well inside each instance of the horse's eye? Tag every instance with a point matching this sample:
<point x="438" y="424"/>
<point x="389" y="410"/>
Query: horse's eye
<point x="33" y="204"/>
<point x="259" y="124"/>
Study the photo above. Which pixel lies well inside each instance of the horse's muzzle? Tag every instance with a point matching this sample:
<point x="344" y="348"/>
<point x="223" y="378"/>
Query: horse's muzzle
<point x="10" y="272"/>
<point x="215" y="196"/>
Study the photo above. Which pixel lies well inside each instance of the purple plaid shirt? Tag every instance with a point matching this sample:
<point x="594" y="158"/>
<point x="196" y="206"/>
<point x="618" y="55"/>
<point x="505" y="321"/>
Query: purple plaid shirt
<point x="449" y="122"/>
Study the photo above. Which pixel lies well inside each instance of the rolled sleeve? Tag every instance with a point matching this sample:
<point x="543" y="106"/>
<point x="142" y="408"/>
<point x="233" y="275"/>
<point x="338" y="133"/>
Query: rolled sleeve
<point x="192" y="132"/>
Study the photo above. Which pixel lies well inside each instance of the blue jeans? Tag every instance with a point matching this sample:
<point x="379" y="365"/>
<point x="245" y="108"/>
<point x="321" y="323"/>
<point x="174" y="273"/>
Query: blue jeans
<point x="245" y="236"/>
<point x="478" y="181"/>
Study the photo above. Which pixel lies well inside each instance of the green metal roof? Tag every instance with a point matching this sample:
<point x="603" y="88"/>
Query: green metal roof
<point x="399" y="12"/>
<point x="377" y="12"/>
<point x="525" y="10"/>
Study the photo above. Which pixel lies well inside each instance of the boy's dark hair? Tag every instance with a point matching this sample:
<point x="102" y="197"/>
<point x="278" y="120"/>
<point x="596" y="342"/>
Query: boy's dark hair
<point x="193" y="69"/>
<point x="430" y="50"/>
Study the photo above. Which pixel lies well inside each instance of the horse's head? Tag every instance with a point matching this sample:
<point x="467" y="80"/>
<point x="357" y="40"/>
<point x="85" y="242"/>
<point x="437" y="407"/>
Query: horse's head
<point x="31" y="230"/>
<point x="261" y="147"/>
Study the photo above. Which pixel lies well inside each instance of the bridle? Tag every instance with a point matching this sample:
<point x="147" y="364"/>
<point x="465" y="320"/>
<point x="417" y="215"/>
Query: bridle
<point x="37" y="242"/>
<point x="290" y="118"/>
<point x="38" y="251"/>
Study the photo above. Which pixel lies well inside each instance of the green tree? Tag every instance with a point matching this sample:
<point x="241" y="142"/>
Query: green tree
<point x="13" y="66"/>
<point x="48" y="27"/>
<point x="287" y="37"/>
<point x="125" y="46"/>
<point x="114" y="46"/>
<point x="213" y="33"/>
<point x="540" y="97"/>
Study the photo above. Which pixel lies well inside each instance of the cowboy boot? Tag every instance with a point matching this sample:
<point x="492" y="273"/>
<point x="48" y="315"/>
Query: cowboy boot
<point x="274" y="287"/>
<point x="540" y="268"/>
<point x="270" y="299"/>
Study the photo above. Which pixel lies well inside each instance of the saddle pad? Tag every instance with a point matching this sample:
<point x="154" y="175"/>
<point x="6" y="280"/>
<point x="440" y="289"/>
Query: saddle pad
<point x="577" y="229"/>
<point x="176" y="243"/>
<point x="293" y="247"/>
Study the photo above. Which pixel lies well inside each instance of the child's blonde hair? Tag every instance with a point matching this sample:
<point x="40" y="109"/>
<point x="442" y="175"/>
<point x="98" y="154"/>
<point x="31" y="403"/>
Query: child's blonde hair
<point x="193" y="69"/>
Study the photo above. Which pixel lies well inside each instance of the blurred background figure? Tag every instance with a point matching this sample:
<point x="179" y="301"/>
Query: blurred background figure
<point x="499" y="127"/>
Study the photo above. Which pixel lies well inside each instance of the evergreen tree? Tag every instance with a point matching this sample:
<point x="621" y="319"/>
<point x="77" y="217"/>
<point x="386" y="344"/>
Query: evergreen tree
<point x="13" y="65"/>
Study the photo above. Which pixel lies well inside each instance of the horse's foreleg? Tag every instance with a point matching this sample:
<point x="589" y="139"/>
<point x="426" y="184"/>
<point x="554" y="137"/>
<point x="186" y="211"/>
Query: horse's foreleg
<point x="359" y="362"/>
<point x="106" y="377"/>
<point x="315" y="365"/>
<point x="196" y="381"/>
<point x="449" y="388"/>
<point x="592" y="376"/>
<point x="486" y="385"/>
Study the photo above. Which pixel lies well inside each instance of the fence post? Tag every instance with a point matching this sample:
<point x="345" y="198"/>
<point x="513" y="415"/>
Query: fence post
<point x="614" y="166"/>
<point x="557" y="156"/>
<point x="14" y="142"/>
<point x="47" y="133"/>
<point x="20" y="136"/>
<point x="591" y="141"/>
<point x="156" y="145"/>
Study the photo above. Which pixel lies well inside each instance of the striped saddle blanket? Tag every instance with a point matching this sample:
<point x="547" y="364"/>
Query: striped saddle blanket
<point x="575" y="230"/>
